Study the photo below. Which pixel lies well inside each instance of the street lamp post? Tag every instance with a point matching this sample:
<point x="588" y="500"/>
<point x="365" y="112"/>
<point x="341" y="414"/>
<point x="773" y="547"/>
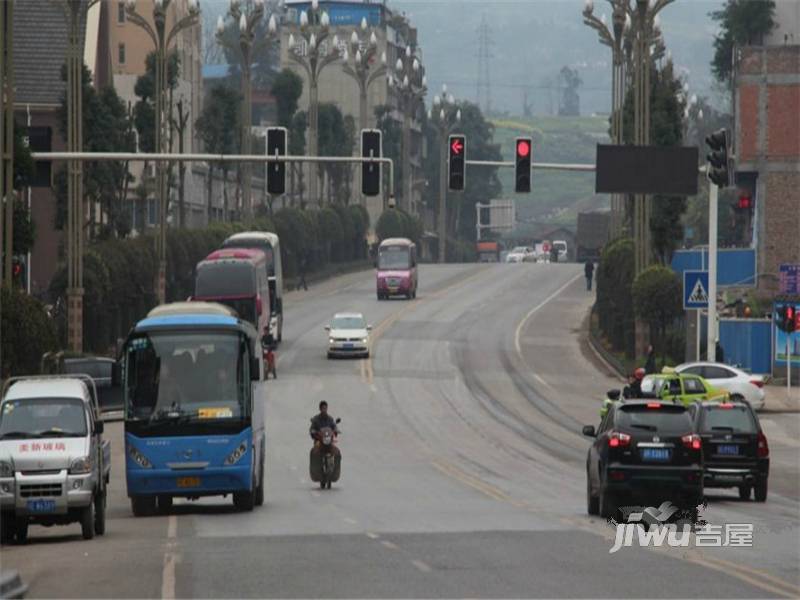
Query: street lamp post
<point x="313" y="57"/>
<point x="162" y="39"/>
<point x="411" y="85"/>
<point x="7" y="136"/>
<point x="614" y="38"/>
<point x="445" y="117"/>
<point x="360" y="64"/>
<point x="248" y="21"/>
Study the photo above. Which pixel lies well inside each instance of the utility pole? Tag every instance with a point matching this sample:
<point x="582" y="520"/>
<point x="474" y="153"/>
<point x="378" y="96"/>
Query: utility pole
<point x="444" y="116"/>
<point x="484" y="95"/>
<point x="7" y="136"/>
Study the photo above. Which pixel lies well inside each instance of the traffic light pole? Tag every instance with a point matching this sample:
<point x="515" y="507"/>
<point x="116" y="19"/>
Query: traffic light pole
<point x="711" y="325"/>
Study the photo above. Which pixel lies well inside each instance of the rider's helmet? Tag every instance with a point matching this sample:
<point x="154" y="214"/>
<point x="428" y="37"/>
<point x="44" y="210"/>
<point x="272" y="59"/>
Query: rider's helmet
<point x="639" y="373"/>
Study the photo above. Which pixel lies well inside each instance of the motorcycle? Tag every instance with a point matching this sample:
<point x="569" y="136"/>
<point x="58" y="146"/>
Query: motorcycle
<point x="326" y="459"/>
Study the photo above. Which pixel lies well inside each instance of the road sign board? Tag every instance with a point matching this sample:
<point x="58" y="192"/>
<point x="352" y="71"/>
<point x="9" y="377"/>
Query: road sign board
<point x="668" y="170"/>
<point x="790" y="279"/>
<point x="695" y="290"/>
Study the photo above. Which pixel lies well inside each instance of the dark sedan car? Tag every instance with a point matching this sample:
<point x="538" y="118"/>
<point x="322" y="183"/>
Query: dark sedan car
<point x="645" y="452"/>
<point x="735" y="448"/>
<point x="99" y="369"/>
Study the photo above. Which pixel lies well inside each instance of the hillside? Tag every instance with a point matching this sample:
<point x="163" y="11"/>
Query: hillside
<point x="556" y="197"/>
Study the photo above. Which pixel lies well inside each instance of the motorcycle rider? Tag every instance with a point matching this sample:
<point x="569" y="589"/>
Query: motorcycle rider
<point x="322" y="420"/>
<point x="634" y="387"/>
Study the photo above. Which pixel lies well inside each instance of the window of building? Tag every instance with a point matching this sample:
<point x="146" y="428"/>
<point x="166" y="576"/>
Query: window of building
<point x="121" y="54"/>
<point x="121" y="12"/>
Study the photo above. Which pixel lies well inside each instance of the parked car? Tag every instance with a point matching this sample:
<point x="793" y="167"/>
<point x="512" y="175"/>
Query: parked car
<point x="739" y="384"/>
<point x="735" y="448"/>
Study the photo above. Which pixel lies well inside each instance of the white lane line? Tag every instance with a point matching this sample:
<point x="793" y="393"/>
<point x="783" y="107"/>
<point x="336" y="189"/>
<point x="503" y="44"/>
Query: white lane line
<point x="536" y="308"/>
<point x="168" y="571"/>
<point x="388" y="544"/>
<point x="540" y="379"/>
<point x="421" y="566"/>
<point x="351" y="521"/>
<point x="372" y="536"/>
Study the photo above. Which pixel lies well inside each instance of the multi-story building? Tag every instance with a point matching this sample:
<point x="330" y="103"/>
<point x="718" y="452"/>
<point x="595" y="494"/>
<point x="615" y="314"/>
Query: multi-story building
<point x="394" y="33"/>
<point x="767" y="108"/>
<point x="129" y="46"/>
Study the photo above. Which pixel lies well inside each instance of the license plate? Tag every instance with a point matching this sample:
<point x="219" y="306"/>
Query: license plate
<point x="655" y="454"/>
<point x="729" y="449"/>
<point x="188" y="482"/>
<point x="41" y="506"/>
<point x="347" y="345"/>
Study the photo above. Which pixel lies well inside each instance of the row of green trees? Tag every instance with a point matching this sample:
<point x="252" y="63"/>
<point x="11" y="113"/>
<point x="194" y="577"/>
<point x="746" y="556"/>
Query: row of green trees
<point x="120" y="274"/>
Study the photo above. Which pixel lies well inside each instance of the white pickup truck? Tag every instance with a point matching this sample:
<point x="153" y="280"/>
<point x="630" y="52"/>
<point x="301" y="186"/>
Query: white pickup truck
<point x="54" y="464"/>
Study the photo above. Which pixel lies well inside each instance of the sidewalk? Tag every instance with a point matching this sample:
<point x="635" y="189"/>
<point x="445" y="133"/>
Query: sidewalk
<point x="776" y="400"/>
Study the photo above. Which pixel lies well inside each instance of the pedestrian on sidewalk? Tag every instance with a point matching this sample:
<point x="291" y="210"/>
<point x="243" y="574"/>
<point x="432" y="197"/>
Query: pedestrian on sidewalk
<point x="650" y="365"/>
<point x="588" y="270"/>
<point x="303" y="266"/>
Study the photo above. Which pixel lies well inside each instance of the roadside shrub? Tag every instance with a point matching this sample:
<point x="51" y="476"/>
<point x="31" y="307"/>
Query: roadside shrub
<point x="28" y="332"/>
<point x="657" y="300"/>
<point x="614" y="295"/>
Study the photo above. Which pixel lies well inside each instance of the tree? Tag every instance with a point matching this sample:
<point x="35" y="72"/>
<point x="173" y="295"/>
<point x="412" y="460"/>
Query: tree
<point x="657" y="300"/>
<point x="666" y="129"/>
<point x="742" y="23"/>
<point x="614" y="303"/>
<point x="287" y="89"/>
<point x="106" y="128"/>
<point x="570" y="101"/>
<point x="218" y="128"/>
<point x="392" y="144"/>
<point x="297" y="147"/>
<point x="265" y="55"/>
<point x="336" y="138"/>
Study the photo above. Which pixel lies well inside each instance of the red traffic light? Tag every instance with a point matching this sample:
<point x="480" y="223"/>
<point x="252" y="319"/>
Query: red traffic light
<point x="457" y="146"/>
<point x="790" y="313"/>
<point x="745" y="202"/>
<point x="16" y="269"/>
<point x="523" y="148"/>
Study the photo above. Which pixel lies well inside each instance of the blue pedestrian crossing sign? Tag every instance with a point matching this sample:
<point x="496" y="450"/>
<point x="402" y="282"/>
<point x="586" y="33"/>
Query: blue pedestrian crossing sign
<point x="695" y="290"/>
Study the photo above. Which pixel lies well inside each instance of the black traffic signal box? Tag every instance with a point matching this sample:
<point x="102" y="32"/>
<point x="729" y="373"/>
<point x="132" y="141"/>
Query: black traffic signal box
<point x="277" y="142"/>
<point x="371" y="147"/>
<point x="523" y="151"/>
<point x="456" y="164"/>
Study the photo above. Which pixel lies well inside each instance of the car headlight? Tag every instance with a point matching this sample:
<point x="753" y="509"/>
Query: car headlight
<point x="364" y="340"/>
<point x="236" y="454"/>
<point x="6" y="469"/>
<point x="331" y="340"/>
<point x="81" y="466"/>
<point x="139" y="458"/>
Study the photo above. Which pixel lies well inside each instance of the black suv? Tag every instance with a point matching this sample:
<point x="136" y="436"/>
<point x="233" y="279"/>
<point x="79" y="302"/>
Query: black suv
<point x="735" y="449"/>
<point x="645" y="452"/>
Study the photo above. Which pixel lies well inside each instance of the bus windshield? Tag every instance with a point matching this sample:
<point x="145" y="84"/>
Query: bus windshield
<point x="394" y="257"/>
<point x="186" y="376"/>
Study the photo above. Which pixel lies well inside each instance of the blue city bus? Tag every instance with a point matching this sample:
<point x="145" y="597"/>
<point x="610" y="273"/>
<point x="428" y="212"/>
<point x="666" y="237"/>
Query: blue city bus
<point x="194" y="407"/>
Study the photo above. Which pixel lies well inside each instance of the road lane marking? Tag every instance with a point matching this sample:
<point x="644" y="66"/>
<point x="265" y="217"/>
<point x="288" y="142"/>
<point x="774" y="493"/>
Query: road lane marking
<point x="541" y="380"/>
<point x="421" y="566"/>
<point x="475" y="483"/>
<point x="788" y="588"/>
<point x="168" y="570"/>
<point x="372" y="536"/>
<point x="351" y="521"/>
<point x="388" y="544"/>
<point x="535" y="309"/>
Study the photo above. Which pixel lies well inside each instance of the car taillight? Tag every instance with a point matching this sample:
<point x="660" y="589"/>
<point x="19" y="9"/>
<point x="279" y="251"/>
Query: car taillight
<point x="726" y="405"/>
<point x="692" y="441"/>
<point x="654" y="405"/>
<point x="759" y="383"/>
<point x="763" y="446"/>
<point x="617" y="440"/>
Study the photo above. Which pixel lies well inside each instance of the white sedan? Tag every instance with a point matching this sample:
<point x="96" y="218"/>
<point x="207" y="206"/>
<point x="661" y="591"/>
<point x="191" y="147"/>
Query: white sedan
<point x="738" y="383"/>
<point x="520" y="254"/>
<point x="348" y="335"/>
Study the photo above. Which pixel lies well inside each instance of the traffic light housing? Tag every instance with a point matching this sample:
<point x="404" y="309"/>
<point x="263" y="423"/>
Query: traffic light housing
<point x="523" y="149"/>
<point x="277" y="142"/>
<point x="789" y="318"/>
<point x="19" y="272"/>
<point x="719" y="167"/>
<point x="371" y="147"/>
<point x="457" y="164"/>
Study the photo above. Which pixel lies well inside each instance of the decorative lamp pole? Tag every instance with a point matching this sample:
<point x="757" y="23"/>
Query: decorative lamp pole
<point x="410" y="83"/>
<point x="445" y="117"/>
<point x="360" y="63"/>
<point x="248" y="21"/>
<point x="313" y="53"/>
<point x="162" y="38"/>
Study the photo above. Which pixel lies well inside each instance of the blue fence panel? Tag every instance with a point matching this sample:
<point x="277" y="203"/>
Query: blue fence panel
<point x="745" y="342"/>
<point x="735" y="266"/>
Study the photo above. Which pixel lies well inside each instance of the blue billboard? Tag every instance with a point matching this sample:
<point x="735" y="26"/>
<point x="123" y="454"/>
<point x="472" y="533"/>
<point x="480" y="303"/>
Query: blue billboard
<point x="341" y="13"/>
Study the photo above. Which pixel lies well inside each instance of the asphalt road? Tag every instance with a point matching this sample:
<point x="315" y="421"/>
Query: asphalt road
<point x="462" y="474"/>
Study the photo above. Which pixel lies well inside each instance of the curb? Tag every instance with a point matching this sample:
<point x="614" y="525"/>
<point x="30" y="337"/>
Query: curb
<point x="593" y="344"/>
